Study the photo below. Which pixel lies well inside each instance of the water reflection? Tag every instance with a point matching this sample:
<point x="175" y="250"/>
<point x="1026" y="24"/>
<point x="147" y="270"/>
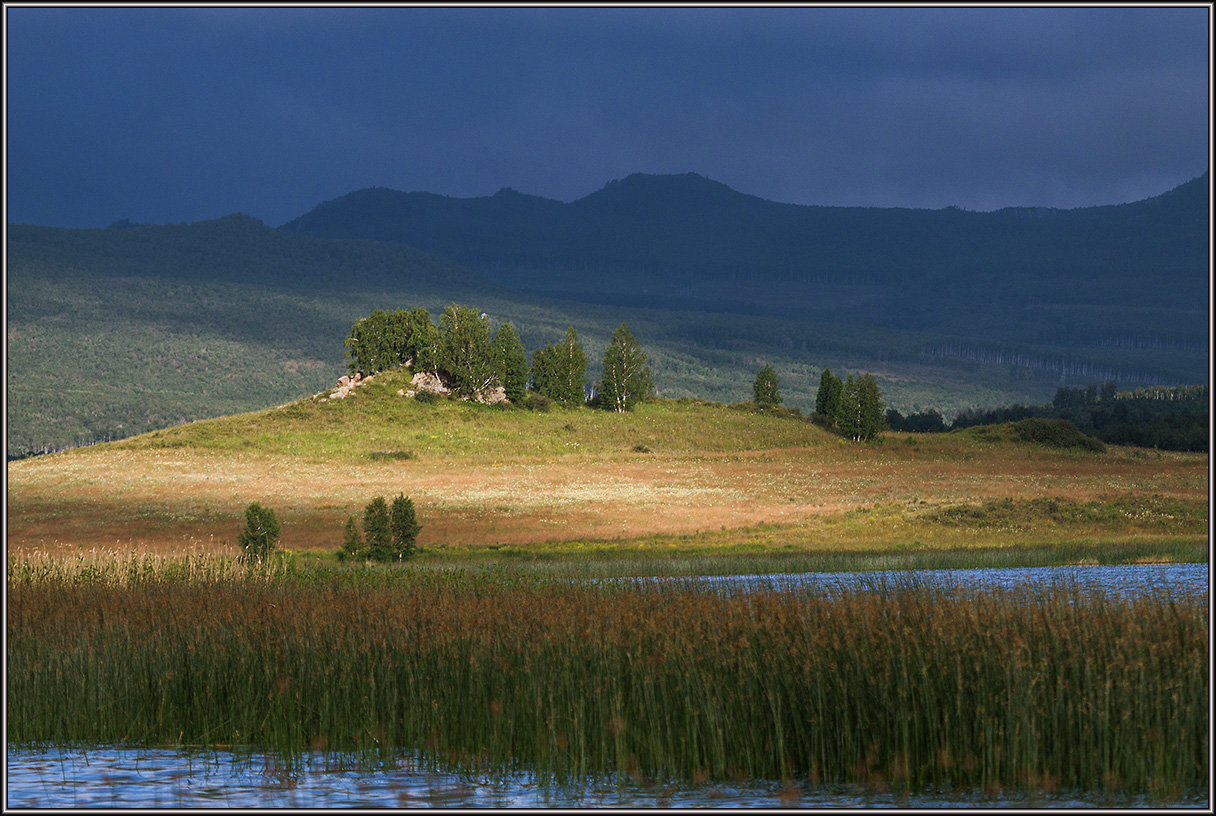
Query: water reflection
<point x="127" y="778"/>
<point x="1117" y="580"/>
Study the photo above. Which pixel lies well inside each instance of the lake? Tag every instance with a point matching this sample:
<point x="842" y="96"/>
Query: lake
<point x="168" y="778"/>
<point x="1117" y="580"/>
<point x="111" y="777"/>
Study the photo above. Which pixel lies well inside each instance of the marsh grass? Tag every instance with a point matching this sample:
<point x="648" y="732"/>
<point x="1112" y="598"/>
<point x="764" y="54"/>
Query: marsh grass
<point x="909" y="688"/>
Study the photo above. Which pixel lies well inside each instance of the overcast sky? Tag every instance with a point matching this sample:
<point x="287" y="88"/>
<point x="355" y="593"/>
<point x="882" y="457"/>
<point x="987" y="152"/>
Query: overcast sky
<point x="181" y="114"/>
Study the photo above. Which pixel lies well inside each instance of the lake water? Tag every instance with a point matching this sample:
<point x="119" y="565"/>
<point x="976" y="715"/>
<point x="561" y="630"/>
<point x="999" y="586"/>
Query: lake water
<point x="108" y="777"/>
<point x="1121" y="580"/>
<point x="150" y="778"/>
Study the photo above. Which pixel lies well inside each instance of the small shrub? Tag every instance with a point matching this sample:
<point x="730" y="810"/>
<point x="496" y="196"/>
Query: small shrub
<point x="378" y="456"/>
<point x="428" y="397"/>
<point x="538" y="402"/>
<point x="261" y="532"/>
<point x="1055" y="433"/>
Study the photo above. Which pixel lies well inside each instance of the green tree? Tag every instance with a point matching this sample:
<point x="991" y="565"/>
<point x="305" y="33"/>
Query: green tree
<point x="465" y="355"/>
<point x="849" y="419"/>
<point x="510" y="363"/>
<point x="261" y="532"/>
<point x="764" y="390"/>
<point x="870" y="408"/>
<point x="559" y="372"/>
<point x="352" y="543"/>
<point x="384" y="340"/>
<point x="377" y="530"/>
<point x="627" y="378"/>
<point x="423" y="343"/>
<point x="375" y="342"/>
<point x="405" y="527"/>
<point x="828" y="402"/>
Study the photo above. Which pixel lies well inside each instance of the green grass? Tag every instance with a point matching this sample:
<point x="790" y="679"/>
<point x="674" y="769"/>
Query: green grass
<point x="910" y="689"/>
<point x="375" y="421"/>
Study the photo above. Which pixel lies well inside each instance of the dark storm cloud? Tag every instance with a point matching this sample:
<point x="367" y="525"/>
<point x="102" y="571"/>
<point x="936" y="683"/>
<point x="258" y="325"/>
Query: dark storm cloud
<point x="179" y="114"/>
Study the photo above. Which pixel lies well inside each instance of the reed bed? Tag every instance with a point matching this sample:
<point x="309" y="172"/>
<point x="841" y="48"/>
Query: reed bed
<point x="907" y="688"/>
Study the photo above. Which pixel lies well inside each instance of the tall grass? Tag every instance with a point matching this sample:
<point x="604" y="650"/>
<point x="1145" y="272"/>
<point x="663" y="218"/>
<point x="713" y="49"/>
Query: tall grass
<point x="907" y="688"/>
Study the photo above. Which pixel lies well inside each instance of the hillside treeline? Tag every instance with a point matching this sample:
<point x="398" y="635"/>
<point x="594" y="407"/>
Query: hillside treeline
<point x="471" y="362"/>
<point x="1173" y="418"/>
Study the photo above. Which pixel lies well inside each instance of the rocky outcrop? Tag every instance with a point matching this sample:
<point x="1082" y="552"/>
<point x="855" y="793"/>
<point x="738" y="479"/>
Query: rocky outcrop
<point x="347" y="385"/>
<point x="424" y="382"/>
<point x="492" y="396"/>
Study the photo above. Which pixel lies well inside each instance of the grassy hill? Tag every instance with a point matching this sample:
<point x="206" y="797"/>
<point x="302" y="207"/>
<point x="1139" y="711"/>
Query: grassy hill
<point x="674" y="476"/>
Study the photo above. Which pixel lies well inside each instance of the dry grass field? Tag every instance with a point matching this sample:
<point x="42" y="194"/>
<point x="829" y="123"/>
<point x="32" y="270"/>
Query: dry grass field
<point x="489" y="477"/>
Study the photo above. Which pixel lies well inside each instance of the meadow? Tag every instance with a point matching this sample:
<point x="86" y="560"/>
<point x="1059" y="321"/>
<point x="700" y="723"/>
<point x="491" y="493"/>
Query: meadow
<point x="672" y="474"/>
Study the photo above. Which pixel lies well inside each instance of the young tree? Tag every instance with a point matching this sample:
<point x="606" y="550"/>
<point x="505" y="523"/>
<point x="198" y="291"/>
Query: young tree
<point x="377" y="530"/>
<point x="352" y="544"/>
<point x="849" y="421"/>
<point x="384" y="340"/>
<point x="405" y="527"/>
<point x="764" y="390"/>
<point x="627" y="378"/>
<point x="510" y="362"/>
<point x="828" y="400"/>
<point x="371" y="345"/>
<point x="869" y="408"/>
<point x="559" y="372"/>
<point x="261" y="532"/>
<point x="465" y="355"/>
<point x="424" y="342"/>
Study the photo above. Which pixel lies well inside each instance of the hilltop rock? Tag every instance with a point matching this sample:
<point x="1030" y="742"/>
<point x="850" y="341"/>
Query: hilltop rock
<point x="494" y="396"/>
<point x="425" y="382"/>
<point x="428" y="383"/>
<point x="347" y="385"/>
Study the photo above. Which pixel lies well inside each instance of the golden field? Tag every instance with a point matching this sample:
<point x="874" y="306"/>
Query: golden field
<point x="482" y="477"/>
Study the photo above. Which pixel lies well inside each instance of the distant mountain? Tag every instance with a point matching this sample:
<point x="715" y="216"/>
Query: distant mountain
<point x="692" y="243"/>
<point x="235" y="248"/>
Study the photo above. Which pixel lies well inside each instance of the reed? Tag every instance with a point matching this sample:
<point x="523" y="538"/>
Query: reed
<point x="900" y="687"/>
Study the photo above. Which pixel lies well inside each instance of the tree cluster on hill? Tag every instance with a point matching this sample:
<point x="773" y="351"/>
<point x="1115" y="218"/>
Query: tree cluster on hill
<point x="389" y="533"/>
<point x="1169" y="418"/>
<point x="462" y="353"/>
<point x="852" y="408"/>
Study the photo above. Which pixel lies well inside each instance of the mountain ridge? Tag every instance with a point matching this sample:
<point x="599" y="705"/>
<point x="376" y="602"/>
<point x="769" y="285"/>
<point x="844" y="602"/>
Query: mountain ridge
<point x="685" y="241"/>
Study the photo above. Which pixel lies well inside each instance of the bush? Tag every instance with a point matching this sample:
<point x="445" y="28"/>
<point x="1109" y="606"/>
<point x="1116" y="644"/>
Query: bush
<point x="428" y="397"/>
<point x="538" y="402"/>
<point x="261" y="532"/>
<point x="1055" y="433"/>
